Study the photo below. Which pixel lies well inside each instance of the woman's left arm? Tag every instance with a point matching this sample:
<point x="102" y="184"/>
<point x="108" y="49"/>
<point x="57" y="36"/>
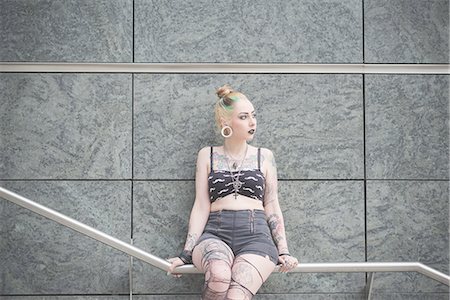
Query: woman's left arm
<point x="274" y="214"/>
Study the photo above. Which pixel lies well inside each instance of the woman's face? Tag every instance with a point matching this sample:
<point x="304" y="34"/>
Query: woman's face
<point x="243" y="120"/>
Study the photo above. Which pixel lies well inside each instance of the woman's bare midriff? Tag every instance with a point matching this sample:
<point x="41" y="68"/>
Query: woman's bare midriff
<point x="240" y="203"/>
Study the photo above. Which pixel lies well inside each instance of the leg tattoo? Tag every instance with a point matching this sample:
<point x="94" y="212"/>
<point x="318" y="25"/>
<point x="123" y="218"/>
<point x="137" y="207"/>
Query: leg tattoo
<point x="238" y="291"/>
<point x="216" y="263"/>
<point x="217" y="280"/>
<point x="244" y="278"/>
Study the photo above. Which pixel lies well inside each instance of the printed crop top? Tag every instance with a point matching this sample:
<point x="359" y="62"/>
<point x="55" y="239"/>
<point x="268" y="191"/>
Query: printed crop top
<point x="221" y="185"/>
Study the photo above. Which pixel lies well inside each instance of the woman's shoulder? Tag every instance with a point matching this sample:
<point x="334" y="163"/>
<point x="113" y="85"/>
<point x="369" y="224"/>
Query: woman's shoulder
<point x="207" y="149"/>
<point x="266" y="152"/>
<point x="203" y="156"/>
<point x="204" y="151"/>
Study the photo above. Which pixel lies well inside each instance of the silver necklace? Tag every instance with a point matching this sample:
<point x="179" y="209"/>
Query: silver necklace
<point x="235" y="177"/>
<point x="234" y="159"/>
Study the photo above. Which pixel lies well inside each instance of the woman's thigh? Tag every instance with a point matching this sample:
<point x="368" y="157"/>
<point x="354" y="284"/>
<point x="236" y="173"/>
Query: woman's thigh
<point x="251" y="271"/>
<point x="211" y="249"/>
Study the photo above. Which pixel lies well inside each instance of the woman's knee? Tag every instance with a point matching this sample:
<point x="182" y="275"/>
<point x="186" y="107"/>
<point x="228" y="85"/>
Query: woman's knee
<point x="249" y="272"/>
<point x="219" y="273"/>
<point x="217" y="280"/>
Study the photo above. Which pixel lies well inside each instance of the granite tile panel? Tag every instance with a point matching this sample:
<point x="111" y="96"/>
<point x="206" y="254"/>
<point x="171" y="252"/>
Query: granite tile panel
<point x="65" y="126"/>
<point x="324" y="222"/>
<point x="66" y="31"/>
<point x="173" y="120"/>
<point x="40" y="256"/>
<point x="78" y="297"/>
<point x="404" y="31"/>
<point x="161" y="211"/>
<point x="303" y="296"/>
<point x="306" y="296"/>
<point x="407" y="221"/>
<point x="410" y="296"/>
<point x="248" y="31"/>
<point x="168" y="297"/>
<point x="260" y="296"/>
<point x="312" y="123"/>
<point x="407" y="126"/>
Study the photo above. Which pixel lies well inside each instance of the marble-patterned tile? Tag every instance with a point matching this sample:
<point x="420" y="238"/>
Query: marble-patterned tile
<point x="161" y="211"/>
<point x="250" y="32"/>
<point x="410" y="296"/>
<point x="66" y="31"/>
<point x="407" y="131"/>
<point x="324" y="223"/>
<point x="318" y="231"/>
<point x="306" y="296"/>
<point x="260" y="296"/>
<point x="77" y="297"/>
<point x="172" y="113"/>
<point x="404" y="31"/>
<point x="312" y="123"/>
<point x="40" y="256"/>
<point x="407" y="221"/>
<point x="168" y="297"/>
<point x="65" y="126"/>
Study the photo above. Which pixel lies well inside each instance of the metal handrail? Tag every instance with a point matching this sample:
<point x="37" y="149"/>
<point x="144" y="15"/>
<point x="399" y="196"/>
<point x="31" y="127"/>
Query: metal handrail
<point x="233" y="68"/>
<point x="190" y="269"/>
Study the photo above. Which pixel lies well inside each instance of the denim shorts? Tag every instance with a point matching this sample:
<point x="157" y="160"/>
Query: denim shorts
<point x="244" y="231"/>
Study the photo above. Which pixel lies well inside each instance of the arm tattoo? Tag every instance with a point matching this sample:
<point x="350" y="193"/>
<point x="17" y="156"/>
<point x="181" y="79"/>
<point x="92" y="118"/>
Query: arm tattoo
<point x="190" y="241"/>
<point x="270" y="191"/>
<point x="275" y="225"/>
<point x="269" y="194"/>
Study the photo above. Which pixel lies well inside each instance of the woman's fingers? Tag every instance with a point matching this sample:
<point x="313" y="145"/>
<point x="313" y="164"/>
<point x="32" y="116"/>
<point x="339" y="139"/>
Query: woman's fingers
<point x="282" y="260"/>
<point x="293" y="263"/>
<point x="175" y="262"/>
<point x="287" y="263"/>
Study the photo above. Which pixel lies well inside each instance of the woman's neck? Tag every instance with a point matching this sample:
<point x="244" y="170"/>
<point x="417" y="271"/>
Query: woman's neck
<point x="235" y="148"/>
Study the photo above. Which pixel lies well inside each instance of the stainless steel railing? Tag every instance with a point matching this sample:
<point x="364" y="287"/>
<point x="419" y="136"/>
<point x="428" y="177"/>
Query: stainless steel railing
<point x="190" y="269"/>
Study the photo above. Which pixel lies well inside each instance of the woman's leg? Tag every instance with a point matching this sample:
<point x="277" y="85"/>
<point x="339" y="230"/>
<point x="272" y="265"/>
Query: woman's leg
<point x="248" y="273"/>
<point x="214" y="258"/>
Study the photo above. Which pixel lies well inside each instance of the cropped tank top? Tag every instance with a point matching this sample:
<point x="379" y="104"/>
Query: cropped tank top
<point x="220" y="183"/>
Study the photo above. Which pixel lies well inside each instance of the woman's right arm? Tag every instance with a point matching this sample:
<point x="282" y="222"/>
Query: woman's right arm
<point x="201" y="208"/>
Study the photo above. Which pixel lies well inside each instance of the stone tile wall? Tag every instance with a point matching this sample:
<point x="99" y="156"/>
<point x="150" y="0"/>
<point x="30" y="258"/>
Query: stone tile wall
<point x="363" y="159"/>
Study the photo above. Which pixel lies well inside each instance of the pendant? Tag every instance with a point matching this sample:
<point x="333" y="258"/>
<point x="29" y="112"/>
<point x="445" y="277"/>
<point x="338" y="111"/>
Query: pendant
<point x="237" y="185"/>
<point x="234" y="165"/>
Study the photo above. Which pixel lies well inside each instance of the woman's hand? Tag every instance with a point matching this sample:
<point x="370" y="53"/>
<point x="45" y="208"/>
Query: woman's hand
<point x="287" y="263"/>
<point x="175" y="262"/>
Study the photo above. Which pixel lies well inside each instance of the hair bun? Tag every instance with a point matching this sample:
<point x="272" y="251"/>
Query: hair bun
<point x="224" y="90"/>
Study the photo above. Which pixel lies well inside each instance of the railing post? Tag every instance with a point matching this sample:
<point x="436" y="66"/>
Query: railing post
<point x="368" y="289"/>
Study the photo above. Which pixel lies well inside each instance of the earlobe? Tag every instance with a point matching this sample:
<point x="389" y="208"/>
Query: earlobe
<point x="224" y="122"/>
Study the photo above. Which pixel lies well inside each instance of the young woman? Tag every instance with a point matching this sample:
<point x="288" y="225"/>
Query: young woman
<point x="236" y="230"/>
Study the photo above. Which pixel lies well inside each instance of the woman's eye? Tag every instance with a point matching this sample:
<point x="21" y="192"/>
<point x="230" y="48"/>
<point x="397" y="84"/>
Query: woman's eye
<point x="243" y="117"/>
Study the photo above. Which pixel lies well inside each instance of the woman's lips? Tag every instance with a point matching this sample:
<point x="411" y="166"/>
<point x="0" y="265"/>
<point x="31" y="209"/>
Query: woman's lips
<point x="251" y="131"/>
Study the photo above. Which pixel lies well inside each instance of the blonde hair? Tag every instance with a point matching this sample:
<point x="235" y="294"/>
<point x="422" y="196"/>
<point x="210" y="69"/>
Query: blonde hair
<point x="224" y="106"/>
